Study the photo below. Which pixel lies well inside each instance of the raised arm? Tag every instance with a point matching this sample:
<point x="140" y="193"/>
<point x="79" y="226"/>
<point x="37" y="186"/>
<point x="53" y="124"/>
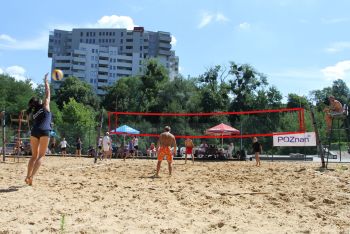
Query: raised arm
<point x="47" y="92"/>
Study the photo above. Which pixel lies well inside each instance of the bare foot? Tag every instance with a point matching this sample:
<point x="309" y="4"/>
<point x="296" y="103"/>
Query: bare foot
<point x="29" y="181"/>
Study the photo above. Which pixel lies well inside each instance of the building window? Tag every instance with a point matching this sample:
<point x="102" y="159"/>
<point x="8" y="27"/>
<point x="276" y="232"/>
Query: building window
<point x="115" y="60"/>
<point x="121" y="34"/>
<point x="93" y="41"/>
<point x="113" y="33"/>
<point x="81" y="40"/>
<point x="103" y="33"/>
<point x="113" y="40"/>
<point x="92" y="65"/>
<point x="86" y="40"/>
<point x="99" y="33"/>
<point x="93" y="50"/>
<point x="110" y="33"/>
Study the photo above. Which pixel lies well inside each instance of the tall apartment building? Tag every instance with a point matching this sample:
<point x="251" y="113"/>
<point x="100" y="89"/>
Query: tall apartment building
<point x="101" y="56"/>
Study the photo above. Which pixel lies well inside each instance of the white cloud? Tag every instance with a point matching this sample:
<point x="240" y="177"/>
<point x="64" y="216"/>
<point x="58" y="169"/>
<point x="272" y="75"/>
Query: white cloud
<point x="115" y="21"/>
<point x="41" y="41"/>
<point x="207" y="18"/>
<point x="244" y="26"/>
<point x="341" y="70"/>
<point x="37" y="43"/>
<point x="338" y="46"/>
<point x="7" y="38"/>
<point x="17" y="72"/>
<point x="221" y="18"/>
<point x="173" y="40"/>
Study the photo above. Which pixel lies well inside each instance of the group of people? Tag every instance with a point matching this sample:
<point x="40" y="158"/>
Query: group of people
<point x="63" y="145"/>
<point x="166" y="146"/>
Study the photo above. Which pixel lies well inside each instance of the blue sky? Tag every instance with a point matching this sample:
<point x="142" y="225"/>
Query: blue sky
<point x="301" y="45"/>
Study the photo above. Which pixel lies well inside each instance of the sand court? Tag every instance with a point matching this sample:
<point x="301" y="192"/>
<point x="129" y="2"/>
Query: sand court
<point x="75" y="195"/>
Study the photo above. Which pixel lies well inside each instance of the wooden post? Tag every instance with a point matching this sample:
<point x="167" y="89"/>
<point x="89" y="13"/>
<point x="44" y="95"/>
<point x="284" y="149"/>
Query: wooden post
<point x="98" y="136"/>
<point x="3" y="135"/>
<point x="318" y="140"/>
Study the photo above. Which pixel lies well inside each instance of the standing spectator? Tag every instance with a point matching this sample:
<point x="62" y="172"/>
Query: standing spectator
<point x="189" y="149"/>
<point x="257" y="148"/>
<point x="64" y="144"/>
<point x="136" y="145"/>
<point x="78" y="145"/>
<point x="131" y="149"/>
<point x="52" y="144"/>
<point x="107" y="146"/>
<point x="230" y="149"/>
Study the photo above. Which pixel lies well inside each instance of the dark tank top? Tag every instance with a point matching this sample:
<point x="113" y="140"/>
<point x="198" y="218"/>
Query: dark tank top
<point x="42" y="120"/>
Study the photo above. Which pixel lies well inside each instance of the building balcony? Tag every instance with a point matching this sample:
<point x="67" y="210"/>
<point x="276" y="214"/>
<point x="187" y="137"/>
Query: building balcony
<point x="79" y="59"/>
<point x="60" y="65"/>
<point x="124" y="72"/>
<point x="103" y="77"/>
<point x="103" y="55"/>
<point x="103" y="69"/>
<point x="63" y="57"/>
<point x="164" y="52"/>
<point x="81" y="52"/>
<point x="79" y="74"/>
<point x="103" y="62"/>
<point x="79" y="67"/>
<point x="123" y="64"/>
<point x="166" y="46"/>
<point x="164" y="38"/>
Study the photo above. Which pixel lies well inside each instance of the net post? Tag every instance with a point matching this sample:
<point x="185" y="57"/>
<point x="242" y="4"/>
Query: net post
<point x="2" y="114"/>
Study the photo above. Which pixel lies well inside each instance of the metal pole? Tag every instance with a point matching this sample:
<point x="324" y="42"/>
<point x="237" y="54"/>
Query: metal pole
<point x="3" y="135"/>
<point x="241" y="137"/>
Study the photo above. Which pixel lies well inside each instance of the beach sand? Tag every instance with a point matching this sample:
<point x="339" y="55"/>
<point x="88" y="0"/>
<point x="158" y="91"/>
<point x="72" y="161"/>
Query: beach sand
<point x="71" y="195"/>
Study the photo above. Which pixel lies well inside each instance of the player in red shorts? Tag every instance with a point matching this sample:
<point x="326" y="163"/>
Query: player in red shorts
<point x="189" y="149"/>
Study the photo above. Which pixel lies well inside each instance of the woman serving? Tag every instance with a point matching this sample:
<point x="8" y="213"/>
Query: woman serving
<point x="40" y="132"/>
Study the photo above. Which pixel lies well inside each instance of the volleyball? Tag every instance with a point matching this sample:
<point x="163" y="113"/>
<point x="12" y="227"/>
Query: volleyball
<point x="57" y="75"/>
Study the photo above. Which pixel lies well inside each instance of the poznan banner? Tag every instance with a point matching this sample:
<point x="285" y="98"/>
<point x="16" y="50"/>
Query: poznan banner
<point x="295" y="140"/>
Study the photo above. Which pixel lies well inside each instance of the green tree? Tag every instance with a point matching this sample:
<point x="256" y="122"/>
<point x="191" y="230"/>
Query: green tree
<point x="152" y="81"/>
<point x="295" y="100"/>
<point x="81" y="91"/>
<point x="14" y="95"/>
<point x="78" y="120"/>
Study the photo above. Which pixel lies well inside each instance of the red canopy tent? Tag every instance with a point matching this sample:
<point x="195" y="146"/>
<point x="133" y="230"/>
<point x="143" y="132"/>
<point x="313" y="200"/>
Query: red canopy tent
<point x="222" y="130"/>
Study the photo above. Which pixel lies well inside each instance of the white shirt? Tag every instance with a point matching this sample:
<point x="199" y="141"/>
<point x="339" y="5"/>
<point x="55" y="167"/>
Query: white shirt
<point x="106" y="142"/>
<point x="136" y="142"/>
<point x="63" y="144"/>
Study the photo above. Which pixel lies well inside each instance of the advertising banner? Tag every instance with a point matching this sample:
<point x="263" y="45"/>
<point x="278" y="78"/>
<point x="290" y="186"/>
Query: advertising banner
<point x="295" y="140"/>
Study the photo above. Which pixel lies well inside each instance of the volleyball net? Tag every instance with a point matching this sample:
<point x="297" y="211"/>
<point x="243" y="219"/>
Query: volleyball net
<point x="254" y="123"/>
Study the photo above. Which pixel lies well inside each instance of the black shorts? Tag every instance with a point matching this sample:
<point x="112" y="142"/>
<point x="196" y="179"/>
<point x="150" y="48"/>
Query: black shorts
<point x="136" y="147"/>
<point x="63" y="149"/>
<point x="37" y="133"/>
